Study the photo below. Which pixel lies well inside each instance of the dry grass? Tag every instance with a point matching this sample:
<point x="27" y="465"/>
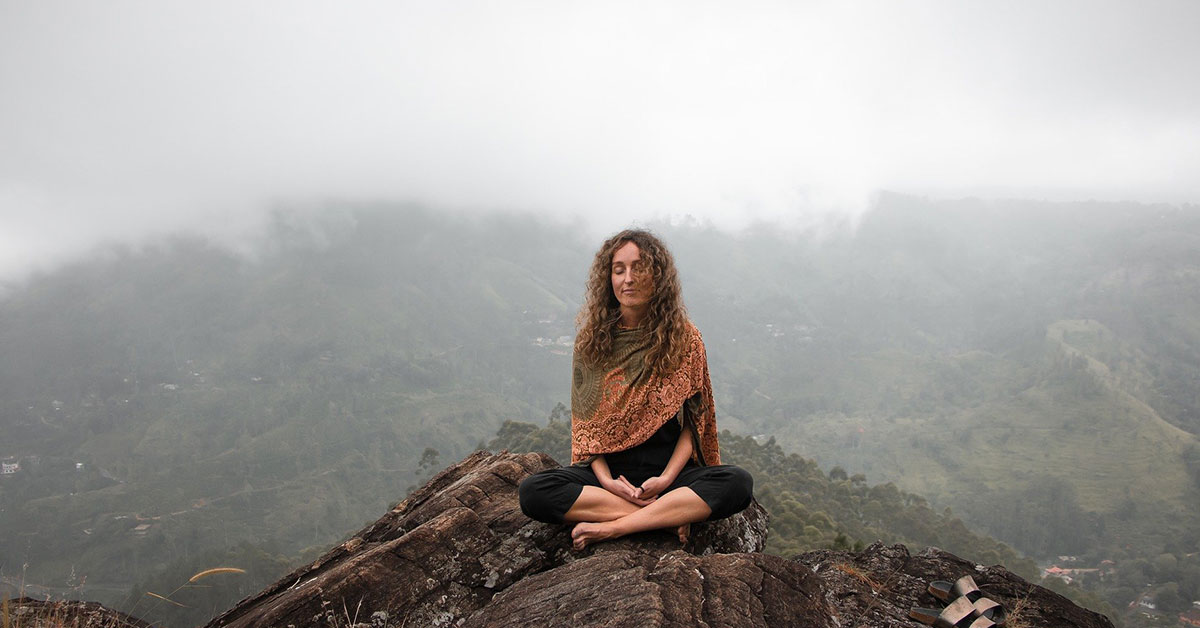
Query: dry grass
<point x="858" y="574"/>
<point x="876" y="587"/>
<point x="198" y="576"/>
<point x="1016" y="614"/>
<point x="358" y="618"/>
<point x="214" y="571"/>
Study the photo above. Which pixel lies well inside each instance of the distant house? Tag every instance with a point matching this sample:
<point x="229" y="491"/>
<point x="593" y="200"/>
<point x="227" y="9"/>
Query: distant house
<point x="1146" y="601"/>
<point x="1190" y="618"/>
<point x="1069" y="575"/>
<point x="142" y="529"/>
<point x="9" y="466"/>
<point x="1054" y="571"/>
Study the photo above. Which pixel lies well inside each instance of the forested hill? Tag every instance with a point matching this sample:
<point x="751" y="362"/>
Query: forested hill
<point x="278" y="401"/>
<point x="1030" y="365"/>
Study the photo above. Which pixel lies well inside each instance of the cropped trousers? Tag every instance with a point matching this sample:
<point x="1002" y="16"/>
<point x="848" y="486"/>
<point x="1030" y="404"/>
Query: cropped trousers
<point x="548" y="495"/>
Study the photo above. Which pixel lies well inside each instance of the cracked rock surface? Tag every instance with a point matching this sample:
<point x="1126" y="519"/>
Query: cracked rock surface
<point x="441" y="556"/>
<point x="875" y="588"/>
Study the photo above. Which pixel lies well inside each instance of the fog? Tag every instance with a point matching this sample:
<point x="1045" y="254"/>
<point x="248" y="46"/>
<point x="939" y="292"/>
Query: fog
<point x="121" y="120"/>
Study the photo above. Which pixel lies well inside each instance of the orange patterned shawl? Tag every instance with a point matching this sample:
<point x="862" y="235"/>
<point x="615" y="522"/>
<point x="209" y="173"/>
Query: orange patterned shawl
<point x="619" y="405"/>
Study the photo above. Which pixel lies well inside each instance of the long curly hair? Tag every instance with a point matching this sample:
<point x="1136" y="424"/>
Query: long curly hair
<point x="666" y="318"/>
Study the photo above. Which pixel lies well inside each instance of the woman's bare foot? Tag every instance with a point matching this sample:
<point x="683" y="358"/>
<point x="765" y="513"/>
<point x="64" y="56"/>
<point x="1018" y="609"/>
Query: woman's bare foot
<point x="585" y="534"/>
<point x="683" y="531"/>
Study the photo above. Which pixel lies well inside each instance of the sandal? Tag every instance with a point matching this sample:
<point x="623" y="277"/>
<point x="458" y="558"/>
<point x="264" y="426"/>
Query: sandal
<point x="966" y="587"/>
<point x="960" y="613"/>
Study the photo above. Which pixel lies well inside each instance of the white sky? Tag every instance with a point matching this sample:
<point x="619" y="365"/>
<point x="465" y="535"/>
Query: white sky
<point x="124" y="119"/>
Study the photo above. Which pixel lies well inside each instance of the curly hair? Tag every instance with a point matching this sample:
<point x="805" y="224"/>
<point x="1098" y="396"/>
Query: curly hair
<point x="666" y="318"/>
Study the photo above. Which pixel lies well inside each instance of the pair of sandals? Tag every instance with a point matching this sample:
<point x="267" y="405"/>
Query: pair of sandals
<point x="969" y="608"/>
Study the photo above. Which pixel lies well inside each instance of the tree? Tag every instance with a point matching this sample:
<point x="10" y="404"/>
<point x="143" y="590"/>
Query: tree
<point x="429" y="460"/>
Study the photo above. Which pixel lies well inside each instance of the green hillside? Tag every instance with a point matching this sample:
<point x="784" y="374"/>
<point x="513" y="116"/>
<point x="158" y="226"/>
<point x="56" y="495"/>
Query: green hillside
<point x="1066" y="416"/>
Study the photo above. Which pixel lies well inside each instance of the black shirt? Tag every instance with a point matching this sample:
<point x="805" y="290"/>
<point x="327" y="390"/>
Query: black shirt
<point x="651" y="456"/>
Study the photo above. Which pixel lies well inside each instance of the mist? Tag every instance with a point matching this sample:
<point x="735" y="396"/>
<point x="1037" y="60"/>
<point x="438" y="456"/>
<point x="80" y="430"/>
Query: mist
<point x="123" y="120"/>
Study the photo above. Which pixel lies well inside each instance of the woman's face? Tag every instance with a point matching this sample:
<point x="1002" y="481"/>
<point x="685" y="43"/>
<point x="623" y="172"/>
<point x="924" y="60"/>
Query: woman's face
<point x="631" y="282"/>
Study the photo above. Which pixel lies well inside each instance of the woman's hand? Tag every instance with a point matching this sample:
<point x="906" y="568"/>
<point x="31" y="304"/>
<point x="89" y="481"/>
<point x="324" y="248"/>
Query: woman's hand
<point x="654" y="486"/>
<point x="626" y="490"/>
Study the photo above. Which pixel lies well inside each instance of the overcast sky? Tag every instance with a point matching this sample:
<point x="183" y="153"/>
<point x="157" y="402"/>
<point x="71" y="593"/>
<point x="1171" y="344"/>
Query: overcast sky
<point x="123" y="119"/>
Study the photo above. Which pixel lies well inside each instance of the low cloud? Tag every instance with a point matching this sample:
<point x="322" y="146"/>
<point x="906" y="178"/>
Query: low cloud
<point x="127" y="119"/>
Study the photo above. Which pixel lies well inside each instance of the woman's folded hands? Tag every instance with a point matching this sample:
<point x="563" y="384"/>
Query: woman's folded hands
<point x="654" y="486"/>
<point x="624" y="489"/>
<point x="643" y="495"/>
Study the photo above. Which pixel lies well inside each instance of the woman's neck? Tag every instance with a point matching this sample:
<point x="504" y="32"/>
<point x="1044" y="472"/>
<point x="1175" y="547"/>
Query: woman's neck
<point x="632" y="318"/>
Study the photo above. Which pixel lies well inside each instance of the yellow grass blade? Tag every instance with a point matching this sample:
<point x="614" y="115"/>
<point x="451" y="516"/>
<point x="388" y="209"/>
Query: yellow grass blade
<point x="166" y="599"/>
<point x="215" y="570"/>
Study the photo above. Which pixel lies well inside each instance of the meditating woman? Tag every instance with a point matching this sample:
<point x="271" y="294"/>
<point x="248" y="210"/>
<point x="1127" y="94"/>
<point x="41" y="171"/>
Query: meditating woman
<point x="644" y="451"/>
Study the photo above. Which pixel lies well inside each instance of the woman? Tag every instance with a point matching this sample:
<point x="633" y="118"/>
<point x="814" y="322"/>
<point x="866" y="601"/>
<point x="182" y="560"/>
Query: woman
<point x="644" y="451"/>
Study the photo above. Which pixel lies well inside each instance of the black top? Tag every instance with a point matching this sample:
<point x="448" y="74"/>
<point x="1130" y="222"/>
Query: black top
<point x="652" y="455"/>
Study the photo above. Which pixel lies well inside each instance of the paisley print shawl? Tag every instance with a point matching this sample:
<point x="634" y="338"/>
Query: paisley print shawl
<point x="617" y="405"/>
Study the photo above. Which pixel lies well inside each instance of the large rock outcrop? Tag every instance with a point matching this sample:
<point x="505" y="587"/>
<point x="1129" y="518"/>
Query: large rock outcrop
<point x="458" y="552"/>
<point x="442" y="555"/>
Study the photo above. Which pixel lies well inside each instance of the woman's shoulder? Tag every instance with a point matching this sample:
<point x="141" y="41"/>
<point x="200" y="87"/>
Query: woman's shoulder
<point x="693" y="333"/>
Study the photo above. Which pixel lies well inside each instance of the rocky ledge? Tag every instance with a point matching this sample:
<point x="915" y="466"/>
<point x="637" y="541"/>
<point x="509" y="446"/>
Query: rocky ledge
<point x="458" y="552"/>
<point x="64" y="614"/>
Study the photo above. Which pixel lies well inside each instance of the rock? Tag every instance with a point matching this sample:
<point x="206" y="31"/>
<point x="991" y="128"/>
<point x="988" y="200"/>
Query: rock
<point x="29" y="612"/>
<point x="626" y="588"/>
<point x="876" y="588"/>
<point x="441" y="555"/>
